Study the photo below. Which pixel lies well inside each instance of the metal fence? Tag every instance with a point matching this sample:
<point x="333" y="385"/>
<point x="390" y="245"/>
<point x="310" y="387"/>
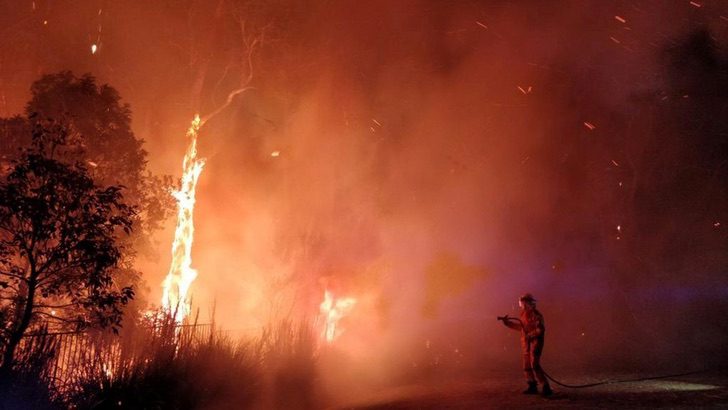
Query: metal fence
<point x="68" y="358"/>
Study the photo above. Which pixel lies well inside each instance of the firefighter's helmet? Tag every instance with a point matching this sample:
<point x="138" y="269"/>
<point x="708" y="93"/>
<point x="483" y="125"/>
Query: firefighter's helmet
<point x="527" y="298"/>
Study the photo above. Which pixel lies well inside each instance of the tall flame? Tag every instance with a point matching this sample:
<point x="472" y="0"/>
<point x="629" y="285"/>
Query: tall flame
<point x="332" y="311"/>
<point x="181" y="275"/>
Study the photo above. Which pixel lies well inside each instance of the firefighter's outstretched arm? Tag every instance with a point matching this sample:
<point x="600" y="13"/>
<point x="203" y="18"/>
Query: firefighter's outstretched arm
<point x="512" y="323"/>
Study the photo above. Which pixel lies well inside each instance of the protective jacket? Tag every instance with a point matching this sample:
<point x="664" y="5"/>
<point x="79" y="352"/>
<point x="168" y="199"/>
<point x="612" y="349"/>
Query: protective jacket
<point x="533" y="332"/>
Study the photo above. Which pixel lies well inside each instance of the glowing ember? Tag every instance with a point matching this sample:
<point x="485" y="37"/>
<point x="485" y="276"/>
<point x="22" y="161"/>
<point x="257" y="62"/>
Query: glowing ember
<point x="181" y="275"/>
<point x="332" y="310"/>
<point x="525" y="91"/>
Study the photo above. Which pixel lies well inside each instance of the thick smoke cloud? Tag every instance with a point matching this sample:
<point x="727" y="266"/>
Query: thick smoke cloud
<point x="433" y="160"/>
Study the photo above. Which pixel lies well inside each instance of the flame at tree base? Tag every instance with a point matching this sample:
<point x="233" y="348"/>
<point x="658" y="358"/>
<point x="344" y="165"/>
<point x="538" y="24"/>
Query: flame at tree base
<point x="181" y="274"/>
<point x="332" y="311"/>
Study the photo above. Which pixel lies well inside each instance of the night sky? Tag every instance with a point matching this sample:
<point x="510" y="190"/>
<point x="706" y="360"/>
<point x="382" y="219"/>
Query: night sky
<point x="431" y="159"/>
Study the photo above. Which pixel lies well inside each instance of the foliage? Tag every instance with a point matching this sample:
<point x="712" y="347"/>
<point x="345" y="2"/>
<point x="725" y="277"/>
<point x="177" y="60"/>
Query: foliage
<point x="58" y="243"/>
<point x="97" y="118"/>
<point x="99" y="123"/>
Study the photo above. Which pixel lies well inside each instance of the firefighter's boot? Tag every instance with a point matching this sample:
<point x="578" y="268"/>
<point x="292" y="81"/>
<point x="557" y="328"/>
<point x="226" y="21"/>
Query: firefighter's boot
<point x="546" y="390"/>
<point x="532" y="389"/>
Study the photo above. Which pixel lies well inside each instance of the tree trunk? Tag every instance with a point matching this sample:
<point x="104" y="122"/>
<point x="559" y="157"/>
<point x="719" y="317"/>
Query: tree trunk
<point x="17" y="334"/>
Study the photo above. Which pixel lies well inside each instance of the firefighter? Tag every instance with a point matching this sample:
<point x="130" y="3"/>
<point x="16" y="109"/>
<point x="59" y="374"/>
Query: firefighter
<point x="531" y="326"/>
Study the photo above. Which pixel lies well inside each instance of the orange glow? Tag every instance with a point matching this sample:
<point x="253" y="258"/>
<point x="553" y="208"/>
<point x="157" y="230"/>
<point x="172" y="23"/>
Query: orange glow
<point x="332" y="310"/>
<point x="181" y="274"/>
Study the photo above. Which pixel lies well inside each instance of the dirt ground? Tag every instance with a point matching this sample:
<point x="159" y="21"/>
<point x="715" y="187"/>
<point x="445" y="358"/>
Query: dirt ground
<point x="705" y="390"/>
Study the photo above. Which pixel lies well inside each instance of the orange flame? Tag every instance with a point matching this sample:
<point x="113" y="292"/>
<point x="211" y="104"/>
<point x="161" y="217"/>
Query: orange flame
<point x="181" y="275"/>
<point x="332" y="311"/>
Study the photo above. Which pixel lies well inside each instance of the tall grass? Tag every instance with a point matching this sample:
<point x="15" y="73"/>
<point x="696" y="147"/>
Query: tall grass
<point x="288" y="357"/>
<point x="156" y="364"/>
<point x="26" y="386"/>
<point x="164" y="366"/>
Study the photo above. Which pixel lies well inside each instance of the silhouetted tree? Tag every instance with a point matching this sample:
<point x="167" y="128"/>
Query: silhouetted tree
<point x="59" y="233"/>
<point x="99" y="124"/>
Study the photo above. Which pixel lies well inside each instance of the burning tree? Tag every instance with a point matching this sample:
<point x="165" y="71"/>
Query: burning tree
<point x="58" y="244"/>
<point x="181" y="275"/>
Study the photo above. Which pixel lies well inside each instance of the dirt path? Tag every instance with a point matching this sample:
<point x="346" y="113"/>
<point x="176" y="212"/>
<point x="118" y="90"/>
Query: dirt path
<point x="699" y="391"/>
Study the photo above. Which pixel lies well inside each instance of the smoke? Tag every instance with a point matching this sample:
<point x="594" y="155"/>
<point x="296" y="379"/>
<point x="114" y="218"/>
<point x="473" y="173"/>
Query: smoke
<point x="434" y="161"/>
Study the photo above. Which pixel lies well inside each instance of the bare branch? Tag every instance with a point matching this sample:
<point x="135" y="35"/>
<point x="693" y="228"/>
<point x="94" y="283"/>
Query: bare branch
<point x="38" y="305"/>
<point x="247" y="60"/>
<point x="49" y="316"/>
<point x="13" y="275"/>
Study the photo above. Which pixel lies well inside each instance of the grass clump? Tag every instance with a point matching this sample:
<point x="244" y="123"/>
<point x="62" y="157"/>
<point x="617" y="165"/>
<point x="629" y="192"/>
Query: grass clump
<point x="170" y="367"/>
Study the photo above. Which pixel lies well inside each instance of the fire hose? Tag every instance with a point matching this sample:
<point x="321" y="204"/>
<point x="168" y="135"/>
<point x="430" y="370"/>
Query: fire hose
<point x="604" y="382"/>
